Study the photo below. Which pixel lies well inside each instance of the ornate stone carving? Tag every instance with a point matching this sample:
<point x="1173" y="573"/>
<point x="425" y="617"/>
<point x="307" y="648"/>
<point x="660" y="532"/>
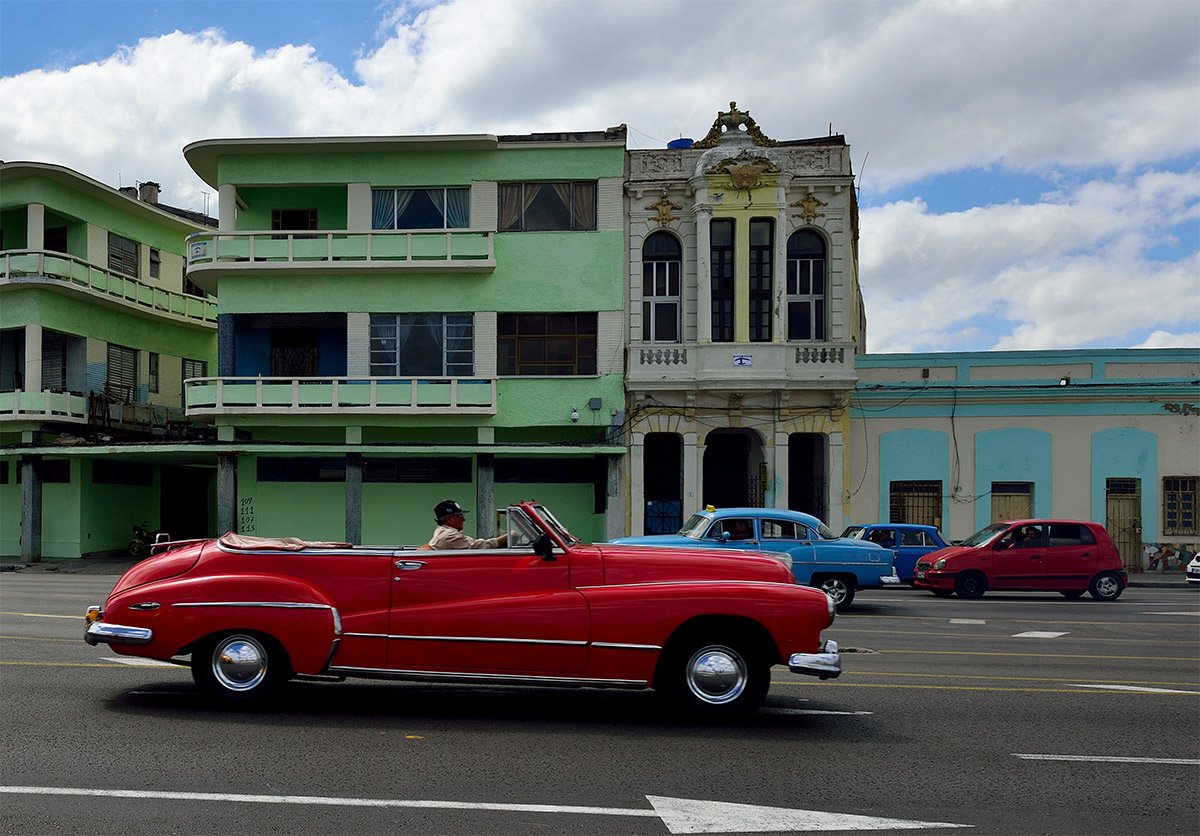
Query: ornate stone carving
<point x="664" y="207"/>
<point x="733" y="120"/>
<point x="745" y="170"/>
<point x="808" y="208"/>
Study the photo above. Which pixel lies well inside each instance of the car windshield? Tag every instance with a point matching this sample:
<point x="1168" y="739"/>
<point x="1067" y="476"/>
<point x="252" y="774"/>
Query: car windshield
<point x="695" y="526"/>
<point x="557" y="527"/>
<point x="854" y="532"/>
<point x="984" y="534"/>
<point x="825" y="532"/>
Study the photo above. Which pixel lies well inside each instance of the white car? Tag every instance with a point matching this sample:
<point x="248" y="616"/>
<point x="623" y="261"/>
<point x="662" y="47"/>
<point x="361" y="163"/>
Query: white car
<point x="1193" y="571"/>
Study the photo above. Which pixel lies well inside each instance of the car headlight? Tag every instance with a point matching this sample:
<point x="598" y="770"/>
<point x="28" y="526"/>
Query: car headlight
<point x="939" y="563"/>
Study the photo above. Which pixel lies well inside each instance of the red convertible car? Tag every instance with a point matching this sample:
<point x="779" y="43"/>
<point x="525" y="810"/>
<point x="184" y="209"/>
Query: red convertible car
<point x="247" y="614"/>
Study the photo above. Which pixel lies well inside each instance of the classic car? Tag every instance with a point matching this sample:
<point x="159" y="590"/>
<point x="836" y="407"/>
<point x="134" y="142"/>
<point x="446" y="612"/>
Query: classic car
<point x="1193" y="572"/>
<point x="1070" y="557"/>
<point x="837" y="565"/>
<point x="907" y="541"/>
<point x="249" y="613"/>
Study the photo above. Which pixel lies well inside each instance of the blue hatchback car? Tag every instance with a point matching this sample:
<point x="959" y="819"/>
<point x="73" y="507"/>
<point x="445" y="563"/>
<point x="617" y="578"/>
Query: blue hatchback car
<point x="838" y="565"/>
<point x="907" y="541"/>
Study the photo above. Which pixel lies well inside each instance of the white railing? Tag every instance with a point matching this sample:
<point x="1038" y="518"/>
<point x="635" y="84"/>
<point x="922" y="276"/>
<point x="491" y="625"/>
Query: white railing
<point x="43" y="406"/>
<point x="752" y="365"/>
<point x="461" y="248"/>
<point x="18" y="265"/>
<point x="345" y="395"/>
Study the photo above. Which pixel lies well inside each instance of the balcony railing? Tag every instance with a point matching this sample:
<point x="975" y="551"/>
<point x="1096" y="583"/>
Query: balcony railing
<point x="207" y="396"/>
<point x="740" y="365"/>
<point x="70" y="271"/>
<point x="441" y="248"/>
<point x="65" y="407"/>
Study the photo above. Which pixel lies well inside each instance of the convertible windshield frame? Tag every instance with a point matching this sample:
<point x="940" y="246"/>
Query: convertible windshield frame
<point x="558" y="528"/>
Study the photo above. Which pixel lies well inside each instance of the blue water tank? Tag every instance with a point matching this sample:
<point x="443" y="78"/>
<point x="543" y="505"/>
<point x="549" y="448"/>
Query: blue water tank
<point x="680" y="144"/>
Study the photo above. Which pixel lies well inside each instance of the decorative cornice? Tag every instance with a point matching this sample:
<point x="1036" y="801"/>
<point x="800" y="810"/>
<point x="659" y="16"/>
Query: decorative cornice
<point x="732" y="120"/>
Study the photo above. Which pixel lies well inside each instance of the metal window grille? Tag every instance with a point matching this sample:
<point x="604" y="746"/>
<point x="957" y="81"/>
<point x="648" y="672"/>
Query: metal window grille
<point x="1181" y="497"/>
<point x="919" y="503"/>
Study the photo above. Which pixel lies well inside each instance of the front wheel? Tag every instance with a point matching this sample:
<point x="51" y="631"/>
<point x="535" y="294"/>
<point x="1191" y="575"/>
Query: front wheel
<point x="1106" y="587"/>
<point x="138" y="547"/>
<point x="839" y="589"/>
<point x="239" y="667"/>
<point x="717" y="677"/>
<point x="970" y="585"/>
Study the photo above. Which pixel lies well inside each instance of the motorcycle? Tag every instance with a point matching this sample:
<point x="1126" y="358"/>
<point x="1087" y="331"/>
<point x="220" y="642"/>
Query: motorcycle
<point x="144" y="538"/>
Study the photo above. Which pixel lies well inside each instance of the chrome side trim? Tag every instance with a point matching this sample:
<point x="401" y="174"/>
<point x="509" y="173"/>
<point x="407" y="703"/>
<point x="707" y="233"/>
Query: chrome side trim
<point x="288" y="605"/>
<point x="101" y="632"/>
<point x="361" y="552"/>
<point x="333" y="648"/>
<point x="145" y="605"/>
<point x="495" y="678"/>
<point x="688" y="583"/>
<point x="623" y="646"/>
<point x="490" y="639"/>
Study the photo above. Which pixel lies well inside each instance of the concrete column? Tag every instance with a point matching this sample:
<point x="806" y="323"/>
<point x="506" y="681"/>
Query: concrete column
<point x="33" y="358"/>
<point x="699" y="471"/>
<point x="836" y="481"/>
<point x="779" y="270"/>
<point x="354" y="465"/>
<point x="226" y="353"/>
<point x="227" y="208"/>
<point x="35" y="226"/>
<point x="615" y="517"/>
<point x="31" y="509"/>
<point x="691" y="475"/>
<point x="703" y="270"/>
<point x="226" y="492"/>
<point x="485" y="495"/>
<point x="781" y="478"/>
<point x="637" y="484"/>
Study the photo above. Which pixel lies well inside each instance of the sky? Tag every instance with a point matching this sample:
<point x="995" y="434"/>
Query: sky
<point x="1028" y="170"/>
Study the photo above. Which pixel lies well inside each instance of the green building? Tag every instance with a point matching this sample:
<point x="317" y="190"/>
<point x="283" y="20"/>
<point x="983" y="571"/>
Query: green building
<point x="98" y="330"/>
<point x="408" y="319"/>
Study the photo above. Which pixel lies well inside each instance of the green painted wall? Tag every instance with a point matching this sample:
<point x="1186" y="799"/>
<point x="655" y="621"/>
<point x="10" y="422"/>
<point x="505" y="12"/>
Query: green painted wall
<point x="126" y="217"/>
<point x="107" y="513"/>
<point x="10" y="509"/>
<point x="80" y="315"/>
<point x="329" y="201"/>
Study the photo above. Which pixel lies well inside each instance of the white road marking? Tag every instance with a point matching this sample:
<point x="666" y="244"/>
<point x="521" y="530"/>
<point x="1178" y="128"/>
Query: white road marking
<point x="1142" y="689"/>
<point x="812" y="711"/>
<point x="1193" y="612"/>
<point x="1110" y="759"/>
<point x="680" y="815"/>
<point x="967" y="621"/>
<point x="138" y="662"/>
<point x="1038" y="634"/>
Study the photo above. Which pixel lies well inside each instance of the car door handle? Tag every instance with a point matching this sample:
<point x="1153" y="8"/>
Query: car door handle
<point x="409" y="565"/>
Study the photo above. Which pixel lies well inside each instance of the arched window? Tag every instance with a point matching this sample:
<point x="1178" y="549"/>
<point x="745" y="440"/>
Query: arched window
<point x="662" y="263"/>
<point x="806" y="286"/>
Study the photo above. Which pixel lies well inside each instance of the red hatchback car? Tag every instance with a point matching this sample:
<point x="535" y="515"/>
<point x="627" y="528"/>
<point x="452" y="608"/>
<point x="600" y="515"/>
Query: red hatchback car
<point x="1065" y="556"/>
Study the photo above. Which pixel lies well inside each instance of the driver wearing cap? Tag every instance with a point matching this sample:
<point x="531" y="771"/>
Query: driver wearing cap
<point x="448" y="534"/>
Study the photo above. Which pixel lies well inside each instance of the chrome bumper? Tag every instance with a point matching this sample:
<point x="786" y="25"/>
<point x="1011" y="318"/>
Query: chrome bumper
<point x="890" y="580"/>
<point x="827" y="664"/>
<point x="101" y="632"/>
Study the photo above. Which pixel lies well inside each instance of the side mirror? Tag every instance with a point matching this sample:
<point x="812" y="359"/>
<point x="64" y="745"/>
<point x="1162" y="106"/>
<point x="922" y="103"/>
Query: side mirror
<point x="543" y="547"/>
<point x="725" y="537"/>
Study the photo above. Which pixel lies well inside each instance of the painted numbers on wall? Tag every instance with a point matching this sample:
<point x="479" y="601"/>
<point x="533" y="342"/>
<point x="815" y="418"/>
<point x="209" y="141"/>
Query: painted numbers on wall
<point x="246" y="515"/>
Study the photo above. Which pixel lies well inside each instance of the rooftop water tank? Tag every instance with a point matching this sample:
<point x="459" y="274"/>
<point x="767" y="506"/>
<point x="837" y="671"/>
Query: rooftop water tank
<point x="681" y="144"/>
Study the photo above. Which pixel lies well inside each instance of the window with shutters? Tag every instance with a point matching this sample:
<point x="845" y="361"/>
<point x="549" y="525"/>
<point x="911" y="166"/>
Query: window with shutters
<point x="194" y="368"/>
<point x="546" y="344"/>
<point x="721" y="259"/>
<point x="120" y="382"/>
<point x="152" y="362"/>
<point x="122" y="255"/>
<point x="762" y="245"/>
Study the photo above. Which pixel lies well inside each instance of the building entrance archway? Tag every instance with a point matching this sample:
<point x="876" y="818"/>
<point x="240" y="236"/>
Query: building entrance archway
<point x="735" y="472"/>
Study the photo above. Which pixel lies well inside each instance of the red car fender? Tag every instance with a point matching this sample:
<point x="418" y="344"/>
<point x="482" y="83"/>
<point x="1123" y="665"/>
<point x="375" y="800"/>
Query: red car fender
<point x="189" y="610"/>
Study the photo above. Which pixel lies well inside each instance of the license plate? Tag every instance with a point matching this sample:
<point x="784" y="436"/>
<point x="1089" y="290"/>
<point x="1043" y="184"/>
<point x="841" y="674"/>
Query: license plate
<point x="920" y="573"/>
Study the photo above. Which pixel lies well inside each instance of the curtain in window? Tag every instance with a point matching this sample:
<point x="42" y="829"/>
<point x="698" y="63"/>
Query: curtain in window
<point x="458" y="208"/>
<point x="585" y="206"/>
<point x="383" y="209"/>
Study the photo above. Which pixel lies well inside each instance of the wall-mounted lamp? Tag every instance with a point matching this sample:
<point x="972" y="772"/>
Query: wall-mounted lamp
<point x="1064" y="381"/>
<point x="574" y="415"/>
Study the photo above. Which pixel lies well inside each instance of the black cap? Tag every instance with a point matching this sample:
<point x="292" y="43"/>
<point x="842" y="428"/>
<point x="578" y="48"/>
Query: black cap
<point x="447" y="508"/>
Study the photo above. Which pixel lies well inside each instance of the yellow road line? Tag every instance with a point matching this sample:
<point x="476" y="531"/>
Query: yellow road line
<point x="1041" y="655"/>
<point x="78" y="616"/>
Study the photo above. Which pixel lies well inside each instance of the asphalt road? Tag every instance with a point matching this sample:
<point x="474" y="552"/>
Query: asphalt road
<point x="1020" y="713"/>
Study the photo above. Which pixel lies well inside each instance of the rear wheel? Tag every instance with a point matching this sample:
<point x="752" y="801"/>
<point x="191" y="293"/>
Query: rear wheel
<point x="716" y="676"/>
<point x="970" y="585"/>
<point x="239" y="667"/>
<point x="1106" y="587"/>
<point x="839" y="588"/>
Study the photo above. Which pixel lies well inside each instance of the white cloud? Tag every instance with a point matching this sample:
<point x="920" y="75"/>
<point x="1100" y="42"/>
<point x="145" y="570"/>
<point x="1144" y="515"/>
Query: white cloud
<point x="1164" y="339"/>
<point x="1072" y="271"/>
<point x="925" y="86"/>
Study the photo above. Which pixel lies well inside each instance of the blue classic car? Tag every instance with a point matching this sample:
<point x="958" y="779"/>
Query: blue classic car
<point x="838" y="565"/>
<point x="908" y="542"/>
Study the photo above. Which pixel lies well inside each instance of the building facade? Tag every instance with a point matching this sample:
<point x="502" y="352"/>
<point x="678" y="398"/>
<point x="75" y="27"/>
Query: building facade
<point x="408" y="319"/>
<point x="97" y="333"/>
<point x="745" y="318"/>
<point x="961" y="440"/>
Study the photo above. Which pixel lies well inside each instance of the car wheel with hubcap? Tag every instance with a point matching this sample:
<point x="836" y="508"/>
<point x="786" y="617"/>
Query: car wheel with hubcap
<point x="1106" y="586"/>
<point x="839" y="589"/>
<point x="239" y="667"/>
<point x="970" y="585"/>
<point x="717" y="677"/>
